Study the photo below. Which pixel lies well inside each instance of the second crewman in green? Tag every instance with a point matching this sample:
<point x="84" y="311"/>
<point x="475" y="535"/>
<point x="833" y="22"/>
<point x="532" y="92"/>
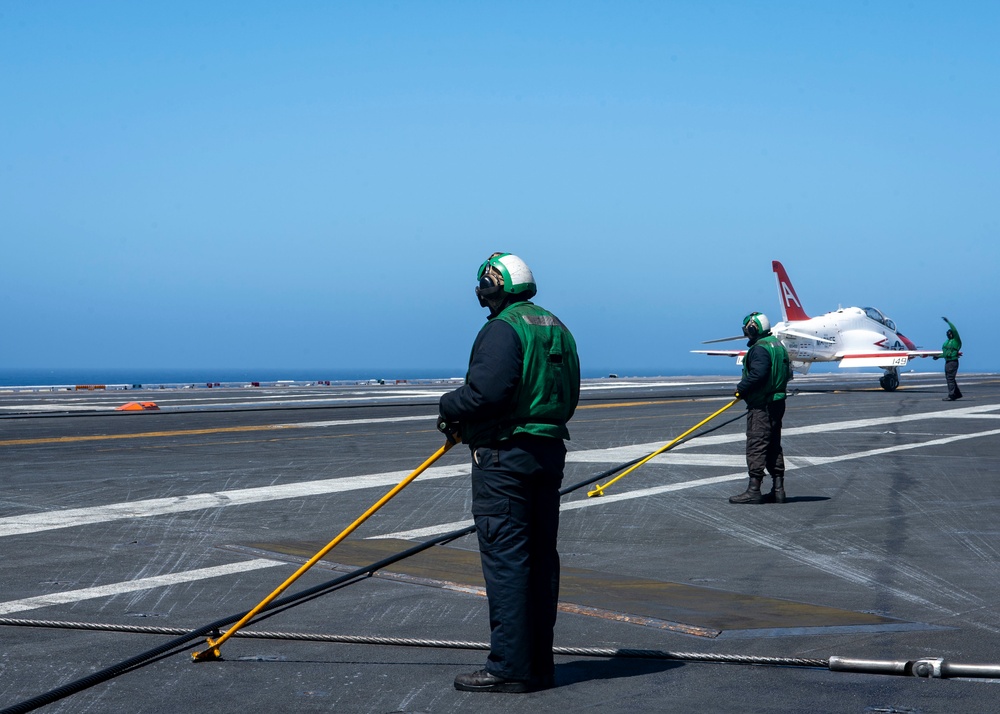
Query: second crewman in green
<point x="766" y="371"/>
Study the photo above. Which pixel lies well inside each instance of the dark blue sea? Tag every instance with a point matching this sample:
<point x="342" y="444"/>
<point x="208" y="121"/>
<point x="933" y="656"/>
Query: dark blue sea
<point x="208" y="375"/>
<point x="13" y="377"/>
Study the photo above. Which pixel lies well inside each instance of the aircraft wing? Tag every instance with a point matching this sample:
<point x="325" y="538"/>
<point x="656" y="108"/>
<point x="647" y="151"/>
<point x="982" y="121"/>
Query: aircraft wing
<point x="738" y="354"/>
<point x="724" y="339"/>
<point x="882" y="358"/>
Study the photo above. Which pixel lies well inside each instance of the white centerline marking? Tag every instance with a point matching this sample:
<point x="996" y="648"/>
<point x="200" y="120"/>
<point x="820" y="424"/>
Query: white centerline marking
<point x="50" y="520"/>
<point x="620" y="454"/>
<point x="350" y="422"/>
<point x="33" y="603"/>
<point x="800" y="462"/>
<point x="20" y="524"/>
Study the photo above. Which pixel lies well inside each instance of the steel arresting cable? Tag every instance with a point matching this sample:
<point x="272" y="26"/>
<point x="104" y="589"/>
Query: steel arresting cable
<point x="439" y="644"/>
<point x="180" y="643"/>
<point x="213" y="628"/>
<point x="927" y="667"/>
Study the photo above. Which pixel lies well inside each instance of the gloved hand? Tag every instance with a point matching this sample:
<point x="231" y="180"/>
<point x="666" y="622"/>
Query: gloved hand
<point x="450" y="429"/>
<point x="945" y="319"/>
<point x="736" y="395"/>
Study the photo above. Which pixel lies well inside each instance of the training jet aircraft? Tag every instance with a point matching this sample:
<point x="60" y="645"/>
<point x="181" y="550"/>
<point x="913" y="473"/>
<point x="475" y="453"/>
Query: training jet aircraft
<point x="852" y="336"/>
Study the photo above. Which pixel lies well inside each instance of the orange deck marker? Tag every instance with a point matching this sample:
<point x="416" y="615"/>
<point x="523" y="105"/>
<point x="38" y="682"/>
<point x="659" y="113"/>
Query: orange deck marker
<point x="137" y="407"/>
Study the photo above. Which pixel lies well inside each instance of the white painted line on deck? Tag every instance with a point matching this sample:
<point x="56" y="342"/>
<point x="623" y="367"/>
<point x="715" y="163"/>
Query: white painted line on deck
<point x="51" y="520"/>
<point x="628" y="453"/>
<point x="799" y="462"/>
<point x="620" y="454"/>
<point x="625" y="384"/>
<point x="428" y="418"/>
<point x="71" y="596"/>
<point x="63" y="519"/>
<point x="280" y="400"/>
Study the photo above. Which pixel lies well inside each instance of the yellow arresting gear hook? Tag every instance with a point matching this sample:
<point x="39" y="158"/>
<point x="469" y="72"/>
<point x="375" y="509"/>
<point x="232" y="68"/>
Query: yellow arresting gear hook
<point x="599" y="490"/>
<point x="213" y="652"/>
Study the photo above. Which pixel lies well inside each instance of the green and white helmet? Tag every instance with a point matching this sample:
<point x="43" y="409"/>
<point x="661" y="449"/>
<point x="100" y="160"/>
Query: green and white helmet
<point x="757" y="324"/>
<point x="505" y="273"/>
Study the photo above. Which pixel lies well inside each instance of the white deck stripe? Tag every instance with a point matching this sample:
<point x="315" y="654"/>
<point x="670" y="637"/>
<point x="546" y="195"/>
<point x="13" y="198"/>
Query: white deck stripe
<point x="428" y="418"/>
<point x="51" y="520"/>
<point x="800" y="462"/>
<point x="194" y="575"/>
<point x="620" y="454"/>
<point x="33" y="603"/>
<point x="246" y="566"/>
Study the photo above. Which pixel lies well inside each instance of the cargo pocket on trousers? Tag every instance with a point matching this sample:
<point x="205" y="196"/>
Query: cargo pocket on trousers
<point x="492" y="517"/>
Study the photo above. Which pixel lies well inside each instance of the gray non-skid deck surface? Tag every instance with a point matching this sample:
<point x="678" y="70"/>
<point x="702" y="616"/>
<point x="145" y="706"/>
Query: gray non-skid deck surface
<point x="888" y="548"/>
<point x="695" y="610"/>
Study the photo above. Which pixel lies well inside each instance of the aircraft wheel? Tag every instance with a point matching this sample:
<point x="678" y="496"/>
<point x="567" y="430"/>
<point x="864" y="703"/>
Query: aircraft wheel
<point x="889" y="382"/>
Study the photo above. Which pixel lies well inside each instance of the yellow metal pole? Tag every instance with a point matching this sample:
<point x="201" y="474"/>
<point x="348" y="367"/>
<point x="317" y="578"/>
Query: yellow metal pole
<point x="599" y="490"/>
<point x="213" y="652"/>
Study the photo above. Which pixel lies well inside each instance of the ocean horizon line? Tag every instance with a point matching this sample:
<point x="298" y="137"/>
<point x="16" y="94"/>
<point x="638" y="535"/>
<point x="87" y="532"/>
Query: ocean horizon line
<point x="138" y="376"/>
<point x="205" y="376"/>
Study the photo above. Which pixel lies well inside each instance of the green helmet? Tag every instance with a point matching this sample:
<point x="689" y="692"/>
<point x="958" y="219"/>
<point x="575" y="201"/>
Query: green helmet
<point x="505" y="273"/>
<point x="756" y="324"/>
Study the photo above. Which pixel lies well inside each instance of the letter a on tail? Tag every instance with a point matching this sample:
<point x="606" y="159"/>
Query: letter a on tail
<point x="791" y="307"/>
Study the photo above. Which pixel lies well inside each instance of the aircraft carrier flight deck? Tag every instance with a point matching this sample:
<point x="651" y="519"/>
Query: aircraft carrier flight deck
<point x="123" y="529"/>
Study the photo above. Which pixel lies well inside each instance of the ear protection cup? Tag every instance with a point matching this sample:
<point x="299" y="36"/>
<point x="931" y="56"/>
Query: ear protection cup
<point x="488" y="287"/>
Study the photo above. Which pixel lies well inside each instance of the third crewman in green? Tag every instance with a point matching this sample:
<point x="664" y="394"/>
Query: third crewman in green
<point x="950" y="351"/>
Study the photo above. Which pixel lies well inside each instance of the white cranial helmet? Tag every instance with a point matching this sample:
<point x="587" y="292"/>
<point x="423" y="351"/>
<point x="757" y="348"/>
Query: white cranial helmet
<point x="505" y="273"/>
<point x="756" y="323"/>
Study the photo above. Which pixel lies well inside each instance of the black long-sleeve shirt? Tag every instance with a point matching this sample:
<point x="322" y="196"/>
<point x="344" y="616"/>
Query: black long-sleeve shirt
<point x="758" y="370"/>
<point x="494" y="373"/>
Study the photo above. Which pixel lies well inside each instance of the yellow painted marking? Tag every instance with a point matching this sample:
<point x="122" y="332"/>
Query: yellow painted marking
<point x="266" y="441"/>
<point x="139" y="435"/>
<point x="649" y="403"/>
<point x="261" y="427"/>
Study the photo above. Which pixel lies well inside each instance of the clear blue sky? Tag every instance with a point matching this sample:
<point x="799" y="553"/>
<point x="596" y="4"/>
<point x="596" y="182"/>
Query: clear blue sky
<point x="307" y="184"/>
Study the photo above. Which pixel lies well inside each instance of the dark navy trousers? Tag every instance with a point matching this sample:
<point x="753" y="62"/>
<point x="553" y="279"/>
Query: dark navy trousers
<point x="950" y="372"/>
<point x="515" y="504"/>
<point x="764" y="440"/>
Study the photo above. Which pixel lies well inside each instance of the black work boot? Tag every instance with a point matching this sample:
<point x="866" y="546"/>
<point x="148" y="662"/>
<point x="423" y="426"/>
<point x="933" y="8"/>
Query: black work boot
<point x="752" y="494"/>
<point x="777" y="494"/>
<point x="483" y="681"/>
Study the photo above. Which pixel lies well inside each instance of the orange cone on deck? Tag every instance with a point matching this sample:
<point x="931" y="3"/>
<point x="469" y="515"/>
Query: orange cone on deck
<point x="137" y="407"/>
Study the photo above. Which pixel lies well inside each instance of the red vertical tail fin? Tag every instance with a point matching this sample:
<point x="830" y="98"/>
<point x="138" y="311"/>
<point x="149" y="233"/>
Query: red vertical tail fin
<point x="791" y="306"/>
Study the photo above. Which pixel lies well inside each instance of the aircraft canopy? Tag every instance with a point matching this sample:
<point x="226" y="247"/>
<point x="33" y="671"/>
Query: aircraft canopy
<point x="876" y="314"/>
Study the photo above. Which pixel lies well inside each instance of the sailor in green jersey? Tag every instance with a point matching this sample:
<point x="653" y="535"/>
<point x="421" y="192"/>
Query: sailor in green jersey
<point x="522" y="387"/>
<point x="950" y="351"/>
<point x="766" y="371"/>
